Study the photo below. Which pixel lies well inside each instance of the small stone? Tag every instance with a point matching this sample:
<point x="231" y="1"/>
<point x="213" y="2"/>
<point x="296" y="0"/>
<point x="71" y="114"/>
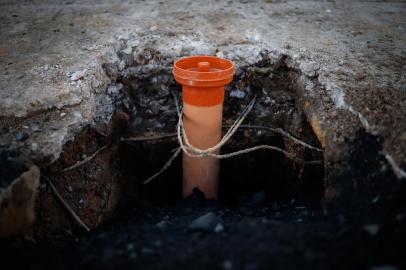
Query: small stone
<point x="155" y="106"/>
<point x="56" y="126"/>
<point x="154" y="28"/>
<point x="328" y="10"/>
<point x="372" y="229"/>
<point x="78" y="75"/>
<point x="219" y="228"/>
<point x="375" y="200"/>
<point x="78" y="116"/>
<point x="114" y="89"/>
<point x="220" y="54"/>
<point x="227" y="265"/>
<point x="130" y="246"/>
<point x="267" y="100"/>
<point x="62" y="115"/>
<point x="121" y="66"/>
<point x="149" y="113"/>
<point x="163" y="225"/>
<point x="237" y="94"/>
<point x="206" y="223"/>
<point x="69" y="188"/>
<point x="21" y="136"/>
<point x="34" y="147"/>
<point x="34" y="127"/>
<point x="164" y="90"/>
<point x="309" y="69"/>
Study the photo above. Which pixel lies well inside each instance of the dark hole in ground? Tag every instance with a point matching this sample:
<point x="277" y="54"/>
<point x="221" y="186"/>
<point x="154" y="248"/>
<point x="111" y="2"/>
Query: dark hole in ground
<point x="148" y="100"/>
<point x="144" y="107"/>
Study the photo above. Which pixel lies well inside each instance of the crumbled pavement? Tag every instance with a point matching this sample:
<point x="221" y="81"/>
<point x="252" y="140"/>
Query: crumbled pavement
<point x="52" y="56"/>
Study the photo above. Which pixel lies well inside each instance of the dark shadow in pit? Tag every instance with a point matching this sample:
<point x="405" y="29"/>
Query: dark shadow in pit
<point x="268" y="174"/>
<point x="139" y="161"/>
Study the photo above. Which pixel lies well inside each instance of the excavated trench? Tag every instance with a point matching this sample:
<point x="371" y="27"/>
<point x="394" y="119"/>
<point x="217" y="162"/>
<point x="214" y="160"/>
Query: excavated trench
<point x="270" y="172"/>
<point x="142" y="94"/>
<point x="268" y="214"/>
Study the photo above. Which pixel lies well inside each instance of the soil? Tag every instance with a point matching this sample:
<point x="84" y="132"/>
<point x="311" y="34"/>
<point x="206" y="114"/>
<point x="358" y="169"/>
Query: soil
<point x="90" y="190"/>
<point x="257" y="235"/>
<point x="262" y="226"/>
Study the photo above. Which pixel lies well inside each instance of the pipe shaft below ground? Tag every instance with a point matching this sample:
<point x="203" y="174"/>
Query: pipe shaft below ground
<point x="203" y="129"/>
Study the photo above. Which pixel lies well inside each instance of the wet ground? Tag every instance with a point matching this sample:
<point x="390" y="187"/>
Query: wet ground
<point x="199" y="234"/>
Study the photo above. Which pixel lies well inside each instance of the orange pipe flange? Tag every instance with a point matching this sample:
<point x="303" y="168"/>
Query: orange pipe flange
<point x="203" y="79"/>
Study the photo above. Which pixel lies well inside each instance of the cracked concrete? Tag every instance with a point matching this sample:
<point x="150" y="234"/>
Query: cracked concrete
<point x="351" y="55"/>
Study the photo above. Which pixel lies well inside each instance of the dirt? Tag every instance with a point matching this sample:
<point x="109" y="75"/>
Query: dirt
<point x="381" y="103"/>
<point x="256" y="235"/>
<point x="381" y="193"/>
<point x="91" y="189"/>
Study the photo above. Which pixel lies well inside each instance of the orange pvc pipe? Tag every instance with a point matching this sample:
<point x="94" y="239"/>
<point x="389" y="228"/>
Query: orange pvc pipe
<point x="203" y="128"/>
<point x="203" y="79"/>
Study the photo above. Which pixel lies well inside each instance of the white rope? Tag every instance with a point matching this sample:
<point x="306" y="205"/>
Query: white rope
<point x="192" y="151"/>
<point x="284" y="133"/>
<point x="196" y="152"/>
